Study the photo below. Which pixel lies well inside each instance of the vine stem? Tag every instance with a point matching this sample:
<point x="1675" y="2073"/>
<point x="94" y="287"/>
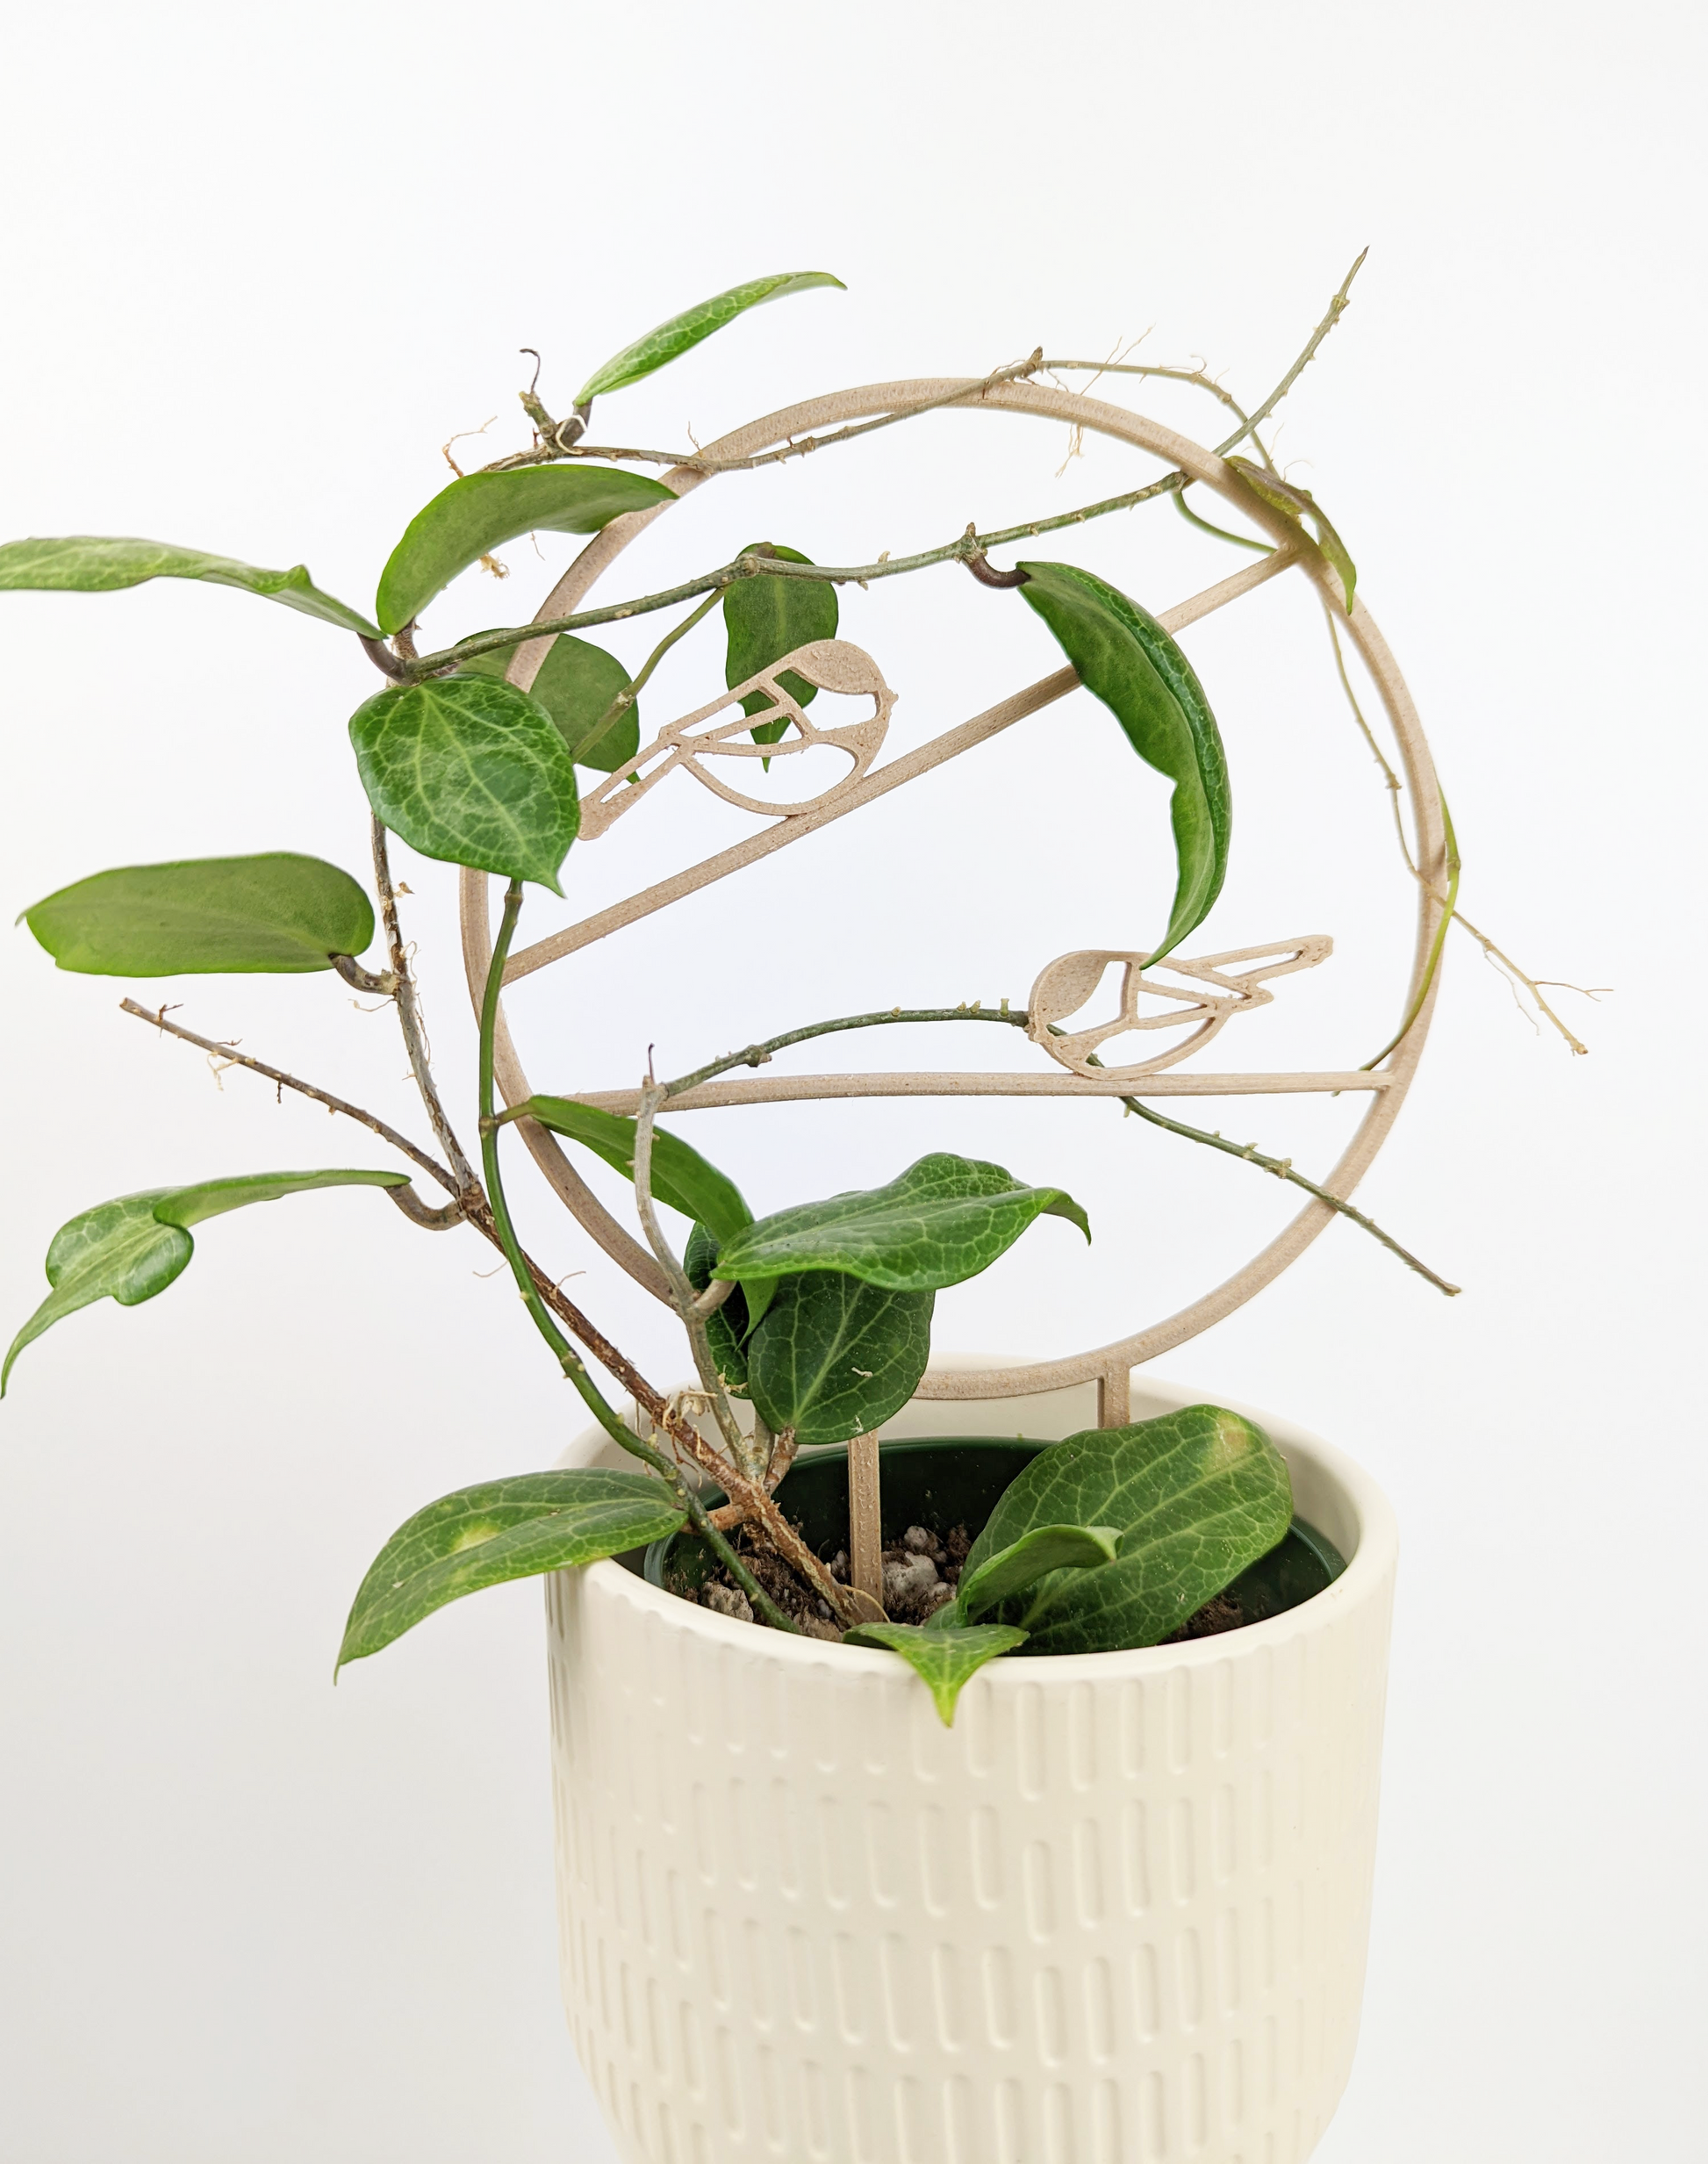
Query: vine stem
<point x="966" y="547"/>
<point x="748" y="1501"/>
<point x="1336" y="309"/>
<point x="798" y="449"/>
<point x="568" y="1359"/>
<point x="683" y="1296"/>
<point x="637" y="684"/>
<point x="409" y="1017"/>
<point x="1017" y="1018"/>
<point x="963" y="549"/>
<point x="1493" y="953"/>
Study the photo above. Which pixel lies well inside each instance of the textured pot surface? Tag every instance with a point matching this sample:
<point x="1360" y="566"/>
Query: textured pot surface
<point x="1117" y="1912"/>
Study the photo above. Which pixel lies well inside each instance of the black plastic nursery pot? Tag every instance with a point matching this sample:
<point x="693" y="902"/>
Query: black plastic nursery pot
<point x="955" y="1480"/>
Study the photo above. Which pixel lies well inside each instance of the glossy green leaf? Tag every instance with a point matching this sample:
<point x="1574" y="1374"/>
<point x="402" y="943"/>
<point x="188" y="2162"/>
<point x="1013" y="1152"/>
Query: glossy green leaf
<point x="577" y="684"/>
<point x="131" y="1249"/>
<point x="1126" y="659"/>
<point x="1196" y="1497"/>
<point x="1034" y="1554"/>
<point x="681" y="1177"/>
<point x="945" y="1661"/>
<point x="483" y="511"/>
<point x="1298" y="504"/>
<point x="103" y="564"/>
<point x="727" y="1326"/>
<point x="472" y="771"/>
<point x="678" y="333"/>
<point x="765" y="618"/>
<point x="945" y="1220"/>
<point x="499" y="1530"/>
<point x="833" y="1358"/>
<point x="278" y="912"/>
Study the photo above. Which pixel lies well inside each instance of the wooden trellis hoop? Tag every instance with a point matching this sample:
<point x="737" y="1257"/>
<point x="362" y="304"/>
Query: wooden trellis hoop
<point x="1107" y="1365"/>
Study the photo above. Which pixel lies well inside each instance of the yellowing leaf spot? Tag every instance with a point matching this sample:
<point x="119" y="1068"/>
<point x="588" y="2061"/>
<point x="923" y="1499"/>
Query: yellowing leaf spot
<point x="1232" y="1442"/>
<point x="472" y="1536"/>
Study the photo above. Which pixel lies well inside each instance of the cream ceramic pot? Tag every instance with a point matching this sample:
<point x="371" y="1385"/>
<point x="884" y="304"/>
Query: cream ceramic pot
<point x="1117" y="1912"/>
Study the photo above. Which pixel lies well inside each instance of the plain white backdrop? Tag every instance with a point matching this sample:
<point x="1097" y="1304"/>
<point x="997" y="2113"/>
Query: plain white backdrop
<point x="257" y="268"/>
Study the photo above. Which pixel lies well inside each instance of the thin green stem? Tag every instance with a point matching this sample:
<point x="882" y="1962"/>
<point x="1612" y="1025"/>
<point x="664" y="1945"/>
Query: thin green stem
<point x="758" y="1054"/>
<point x="1240" y="541"/>
<point x="637" y="683"/>
<point x="1282" y="1168"/>
<point x="697" y="461"/>
<point x="1447" y="912"/>
<point x="964" y="546"/>
<point x="568" y="1359"/>
<point x="1017" y="1018"/>
<point x="683" y="1296"/>
<point x="1336" y="309"/>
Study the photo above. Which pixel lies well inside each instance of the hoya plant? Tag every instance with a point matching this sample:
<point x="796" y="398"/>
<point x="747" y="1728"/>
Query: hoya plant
<point x="810" y="1316"/>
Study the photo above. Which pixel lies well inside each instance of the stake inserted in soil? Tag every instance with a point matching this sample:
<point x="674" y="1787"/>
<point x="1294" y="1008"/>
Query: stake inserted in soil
<point x="865" y="1537"/>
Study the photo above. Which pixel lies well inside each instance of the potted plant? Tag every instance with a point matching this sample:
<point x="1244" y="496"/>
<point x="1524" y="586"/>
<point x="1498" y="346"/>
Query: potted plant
<point x="1004" y="1789"/>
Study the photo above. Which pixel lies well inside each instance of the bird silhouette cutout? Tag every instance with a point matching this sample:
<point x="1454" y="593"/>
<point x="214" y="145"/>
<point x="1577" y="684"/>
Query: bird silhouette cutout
<point x="700" y="737"/>
<point x="1214" y="992"/>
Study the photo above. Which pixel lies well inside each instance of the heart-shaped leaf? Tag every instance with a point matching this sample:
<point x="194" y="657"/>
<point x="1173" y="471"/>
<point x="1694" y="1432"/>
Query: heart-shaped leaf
<point x="499" y="1530"/>
<point x="278" y="912"/>
<point x="1196" y="1496"/>
<point x="676" y="335"/>
<point x="1126" y="659"/>
<point x="577" y="684"/>
<point x="1298" y="504"/>
<point x="765" y="618"/>
<point x="103" y="563"/>
<point x="470" y="771"/>
<point x="945" y="1661"/>
<point x="483" y="511"/>
<point x="131" y="1249"/>
<point x="833" y="1358"/>
<point x="945" y="1220"/>
<point x="727" y="1327"/>
<point x="1046" y="1547"/>
<point x="681" y="1177"/>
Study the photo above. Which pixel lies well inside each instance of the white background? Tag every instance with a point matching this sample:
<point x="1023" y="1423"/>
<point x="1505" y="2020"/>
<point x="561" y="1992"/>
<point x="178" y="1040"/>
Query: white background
<point x="258" y="266"/>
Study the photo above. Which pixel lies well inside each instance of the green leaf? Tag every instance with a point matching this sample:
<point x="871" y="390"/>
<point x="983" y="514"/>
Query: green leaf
<point x="102" y="563"/>
<point x="483" y="511"/>
<point x="832" y="1358"/>
<point x="278" y="912"/>
<point x="577" y="684"/>
<point x="1196" y="1497"/>
<point x="131" y="1248"/>
<point x="1298" y="504"/>
<point x="1126" y="659"/>
<point x="675" y="336"/>
<point x="726" y="1326"/>
<point x="1046" y="1547"/>
<point x="472" y="771"/>
<point x="944" y="1660"/>
<point x="766" y="618"/>
<point x="501" y="1529"/>
<point x="945" y="1220"/>
<point x="680" y="1175"/>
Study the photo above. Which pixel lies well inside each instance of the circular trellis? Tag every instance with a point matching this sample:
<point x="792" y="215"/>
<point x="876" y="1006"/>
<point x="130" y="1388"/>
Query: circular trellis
<point x="1107" y="1365"/>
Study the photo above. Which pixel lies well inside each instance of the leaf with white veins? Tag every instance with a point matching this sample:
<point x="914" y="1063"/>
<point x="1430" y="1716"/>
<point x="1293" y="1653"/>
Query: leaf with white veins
<point x="104" y="563"/>
<point x="132" y="1248"/>
<point x="945" y="1661"/>
<point x="1196" y="1496"/>
<point x="501" y="1530"/>
<point x="943" y="1220"/>
<point x="469" y="771"/>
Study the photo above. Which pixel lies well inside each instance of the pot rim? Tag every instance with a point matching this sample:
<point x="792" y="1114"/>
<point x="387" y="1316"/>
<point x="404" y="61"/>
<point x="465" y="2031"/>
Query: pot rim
<point x="1371" y="1555"/>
